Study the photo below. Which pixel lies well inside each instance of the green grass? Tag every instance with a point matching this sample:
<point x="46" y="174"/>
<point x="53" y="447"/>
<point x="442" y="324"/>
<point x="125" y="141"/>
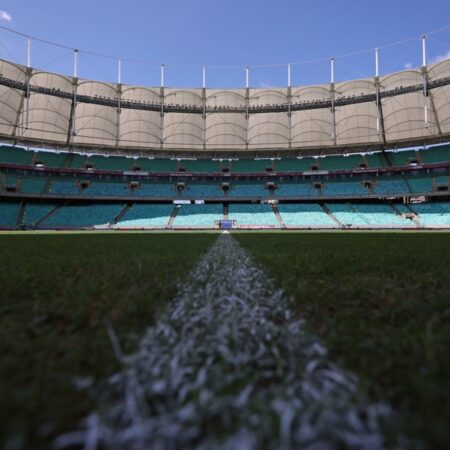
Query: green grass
<point x="381" y="303"/>
<point x="58" y="293"/>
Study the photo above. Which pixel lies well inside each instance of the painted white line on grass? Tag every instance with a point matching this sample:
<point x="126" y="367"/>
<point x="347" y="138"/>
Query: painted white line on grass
<point x="229" y="367"/>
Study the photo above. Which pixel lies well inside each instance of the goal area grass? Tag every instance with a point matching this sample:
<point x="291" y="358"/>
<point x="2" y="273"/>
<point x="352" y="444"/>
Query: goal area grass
<point x="379" y="301"/>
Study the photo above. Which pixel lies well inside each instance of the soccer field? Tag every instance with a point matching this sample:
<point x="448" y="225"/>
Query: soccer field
<point x="378" y="301"/>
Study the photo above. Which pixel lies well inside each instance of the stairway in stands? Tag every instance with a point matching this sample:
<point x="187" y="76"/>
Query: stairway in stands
<point x="172" y="217"/>
<point x="331" y="215"/>
<point x="278" y="216"/>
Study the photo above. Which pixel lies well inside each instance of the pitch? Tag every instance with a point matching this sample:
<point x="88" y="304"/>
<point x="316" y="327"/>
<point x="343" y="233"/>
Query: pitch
<point x="378" y="301"/>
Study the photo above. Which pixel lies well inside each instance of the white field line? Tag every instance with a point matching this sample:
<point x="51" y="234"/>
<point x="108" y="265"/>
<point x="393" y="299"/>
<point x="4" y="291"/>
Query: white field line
<point x="229" y="367"/>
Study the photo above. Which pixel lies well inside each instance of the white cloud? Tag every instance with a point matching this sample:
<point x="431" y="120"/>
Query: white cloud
<point x="441" y="58"/>
<point x="407" y="65"/>
<point x="265" y="85"/>
<point x="5" y="17"/>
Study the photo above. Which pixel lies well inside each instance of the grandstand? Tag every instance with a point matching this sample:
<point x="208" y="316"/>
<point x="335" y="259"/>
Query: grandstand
<point x="48" y="190"/>
<point x="213" y="157"/>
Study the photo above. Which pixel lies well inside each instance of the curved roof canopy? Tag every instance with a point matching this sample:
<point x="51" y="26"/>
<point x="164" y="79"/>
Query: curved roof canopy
<point x="45" y="109"/>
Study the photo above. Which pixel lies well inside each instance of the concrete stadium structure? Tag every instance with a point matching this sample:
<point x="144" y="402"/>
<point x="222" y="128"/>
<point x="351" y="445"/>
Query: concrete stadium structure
<point x="406" y="108"/>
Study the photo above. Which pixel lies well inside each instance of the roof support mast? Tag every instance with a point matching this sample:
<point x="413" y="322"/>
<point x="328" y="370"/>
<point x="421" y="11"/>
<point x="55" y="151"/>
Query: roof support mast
<point x="380" y="121"/>
<point x="247" y="102"/>
<point x="161" y="96"/>
<point x="72" y="131"/>
<point x="27" y="96"/>
<point x="377" y="75"/>
<point x="425" y="79"/>
<point x="119" y="95"/>
<point x="204" y="105"/>
<point x="289" y="101"/>
<point x="333" y="109"/>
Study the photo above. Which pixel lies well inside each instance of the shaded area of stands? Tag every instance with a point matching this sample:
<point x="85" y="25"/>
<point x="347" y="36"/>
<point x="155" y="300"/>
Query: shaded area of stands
<point x="17" y="155"/>
<point x="79" y="216"/>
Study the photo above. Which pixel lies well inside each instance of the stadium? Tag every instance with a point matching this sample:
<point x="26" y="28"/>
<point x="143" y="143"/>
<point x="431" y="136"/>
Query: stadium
<point x="224" y="267"/>
<point x="327" y="156"/>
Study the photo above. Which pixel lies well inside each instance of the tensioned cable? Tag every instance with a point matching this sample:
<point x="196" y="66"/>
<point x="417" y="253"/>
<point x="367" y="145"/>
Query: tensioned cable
<point x="261" y="66"/>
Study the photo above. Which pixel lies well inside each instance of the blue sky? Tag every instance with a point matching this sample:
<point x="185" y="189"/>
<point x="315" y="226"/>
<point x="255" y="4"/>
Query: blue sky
<point x="186" y="34"/>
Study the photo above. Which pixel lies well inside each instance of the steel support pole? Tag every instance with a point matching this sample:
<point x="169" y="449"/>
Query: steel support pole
<point x="162" y="107"/>
<point x="162" y="75"/>
<point x="425" y="79"/>
<point x="377" y="86"/>
<point x="247" y="77"/>
<point x="333" y="115"/>
<point x="119" y="71"/>
<point x="74" y="88"/>
<point x="27" y="100"/>
<point x="332" y="69"/>
<point x="119" y="94"/>
<point x="289" y="75"/>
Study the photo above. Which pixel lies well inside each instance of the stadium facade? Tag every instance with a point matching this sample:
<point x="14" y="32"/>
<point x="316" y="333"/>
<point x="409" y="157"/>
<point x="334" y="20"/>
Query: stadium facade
<point x="131" y="157"/>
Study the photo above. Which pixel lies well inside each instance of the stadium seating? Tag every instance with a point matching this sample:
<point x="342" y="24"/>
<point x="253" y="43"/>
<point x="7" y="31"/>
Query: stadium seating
<point x="244" y="189"/>
<point x="156" y="190"/>
<point x="296" y="189"/>
<point x="435" y="154"/>
<point x="391" y="186"/>
<point x="306" y="215"/>
<point x="254" y="215"/>
<point x="156" y="165"/>
<point x="34" y="212"/>
<point x="17" y="155"/>
<point x="115" y="163"/>
<point x="294" y="164"/>
<point x="382" y="216"/>
<point x="202" y="191"/>
<point x="9" y="213"/>
<point x="344" y="188"/>
<point x="50" y="159"/>
<point x="198" y="216"/>
<point x="13" y="155"/>
<point x="81" y="216"/>
<point x="402" y="158"/>
<point x="345" y="213"/>
<point x="376" y="160"/>
<point x="32" y="185"/>
<point x="433" y="215"/>
<point x="200" y="165"/>
<point x="250" y="165"/>
<point x="64" y="187"/>
<point x="340" y="162"/>
<point x="142" y="216"/>
<point x="109" y="189"/>
<point x="420" y="185"/>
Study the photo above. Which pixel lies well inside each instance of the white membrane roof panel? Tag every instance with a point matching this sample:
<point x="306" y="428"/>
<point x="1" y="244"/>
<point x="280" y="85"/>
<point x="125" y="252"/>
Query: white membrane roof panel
<point x="231" y="98"/>
<point x="96" y="124"/>
<point x="139" y="128"/>
<point x="311" y="128"/>
<point x="404" y="117"/>
<point x="261" y="97"/>
<point x="48" y="118"/>
<point x="183" y="131"/>
<point x="268" y="130"/>
<point x="191" y="97"/>
<point x="357" y="124"/>
<point x="226" y="130"/>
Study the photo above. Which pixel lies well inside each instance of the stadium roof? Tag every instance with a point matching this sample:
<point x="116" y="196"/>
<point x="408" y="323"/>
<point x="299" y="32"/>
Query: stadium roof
<point x="406" y="108"/>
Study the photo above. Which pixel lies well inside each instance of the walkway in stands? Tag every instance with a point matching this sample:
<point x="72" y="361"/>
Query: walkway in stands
<point x="229" y="356"/>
